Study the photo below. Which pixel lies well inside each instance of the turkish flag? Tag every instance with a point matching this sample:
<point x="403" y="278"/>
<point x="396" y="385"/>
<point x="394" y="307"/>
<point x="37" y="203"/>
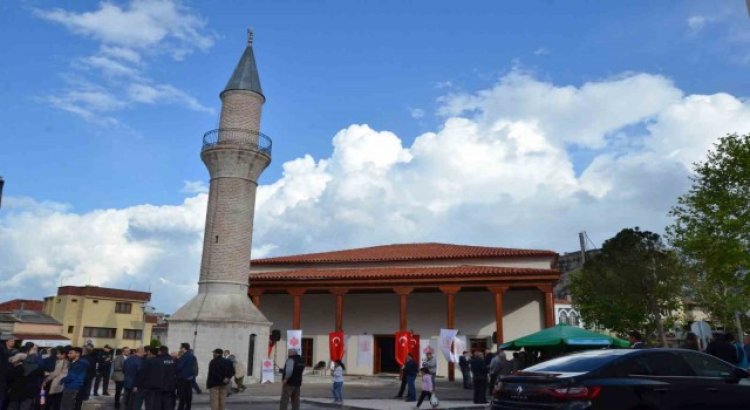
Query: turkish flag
<point x="336" y="345"/>
<point x="402" y="347"/>
<point x="414" y="346"/>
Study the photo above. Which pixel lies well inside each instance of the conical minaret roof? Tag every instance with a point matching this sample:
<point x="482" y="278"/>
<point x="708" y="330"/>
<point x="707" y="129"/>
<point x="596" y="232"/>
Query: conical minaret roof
<point x="245" y="76"/>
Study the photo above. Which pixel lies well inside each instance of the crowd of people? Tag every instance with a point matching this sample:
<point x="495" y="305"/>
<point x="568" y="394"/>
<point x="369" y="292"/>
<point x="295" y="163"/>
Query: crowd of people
<point x="63" y="377"/>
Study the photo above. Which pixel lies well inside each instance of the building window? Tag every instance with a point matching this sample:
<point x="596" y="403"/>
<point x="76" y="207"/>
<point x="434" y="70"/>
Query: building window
<point x="70" y="329"/>
<point x="96" y="301"/>
<point x="478" y="345"/>
<point x="132" y="334"/>
<point x="100" y="332"/>
<point x="122" y="307"/>
<point x="307" y="351"/>
<point x="74" y="300"/>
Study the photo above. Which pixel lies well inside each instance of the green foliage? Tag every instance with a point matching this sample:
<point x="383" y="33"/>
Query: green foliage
<point x="630" y="285"/>
<point x="155" y="343"/>
<point x="712" y="229"/>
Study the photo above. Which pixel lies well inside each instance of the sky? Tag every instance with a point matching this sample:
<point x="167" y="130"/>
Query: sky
<point x="512" y="124"/>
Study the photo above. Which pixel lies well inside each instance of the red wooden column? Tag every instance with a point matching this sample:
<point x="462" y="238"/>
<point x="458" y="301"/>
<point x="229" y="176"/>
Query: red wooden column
<point x="339" y="294"/>
<point x="297" y="299"/>
<point x="255" y="296"/>
<point x="450" y="293"/>
<point x="403" y="293"/>
<point x="499" y="292"/>
<point x="549" y="304"/>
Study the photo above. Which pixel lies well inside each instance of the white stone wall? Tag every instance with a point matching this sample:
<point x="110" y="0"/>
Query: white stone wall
<point x="378" y="314"/>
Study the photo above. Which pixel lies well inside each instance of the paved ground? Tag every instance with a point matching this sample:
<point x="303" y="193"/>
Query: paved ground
<point x="359" y="393"/>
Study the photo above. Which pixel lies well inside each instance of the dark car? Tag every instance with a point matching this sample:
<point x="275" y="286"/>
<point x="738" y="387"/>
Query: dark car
<point x="638" y="379"/>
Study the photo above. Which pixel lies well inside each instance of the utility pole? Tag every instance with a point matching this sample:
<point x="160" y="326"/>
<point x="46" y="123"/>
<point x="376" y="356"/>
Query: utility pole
<point x="582" y="241"/>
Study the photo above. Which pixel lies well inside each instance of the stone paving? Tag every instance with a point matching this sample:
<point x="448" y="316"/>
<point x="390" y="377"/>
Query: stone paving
<point x="360" y="392"/>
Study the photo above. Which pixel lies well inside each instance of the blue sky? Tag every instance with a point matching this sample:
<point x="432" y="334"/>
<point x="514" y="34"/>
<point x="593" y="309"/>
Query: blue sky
<point x="104" y="106"/>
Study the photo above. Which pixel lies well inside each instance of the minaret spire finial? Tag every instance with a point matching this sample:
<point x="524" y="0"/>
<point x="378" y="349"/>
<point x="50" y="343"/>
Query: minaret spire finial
<point x="250" y="36"/>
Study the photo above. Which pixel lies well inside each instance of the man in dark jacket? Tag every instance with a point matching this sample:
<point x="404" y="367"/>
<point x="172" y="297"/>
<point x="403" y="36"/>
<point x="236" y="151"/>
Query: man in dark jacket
<point x="132" y="369"/>
<point x="722" y="348"/>
<point x="220" y="372"/>
<point x="479" y="375"/>
<point x="411" y="369"/>
<point x="90" y="355"/>
<point x="103" y="368"/>
<point x="158" y="380"/>
<point x="6" y="343"/>
<point x="185" y="368"/>
<point x="75" y="380"/>
<point x="463" y="364"/>
<point x="291" y="380"/>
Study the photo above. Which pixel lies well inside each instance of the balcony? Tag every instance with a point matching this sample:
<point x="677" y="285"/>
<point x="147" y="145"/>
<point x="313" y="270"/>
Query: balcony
<point x="237" y="138"/>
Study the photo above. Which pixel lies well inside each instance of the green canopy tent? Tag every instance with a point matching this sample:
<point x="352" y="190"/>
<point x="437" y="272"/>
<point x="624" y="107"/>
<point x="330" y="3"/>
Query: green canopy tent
<point x="565" y="338"/>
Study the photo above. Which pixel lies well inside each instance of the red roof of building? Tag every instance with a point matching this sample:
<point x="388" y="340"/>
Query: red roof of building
<point x="15" y="304"/>
<point x="104" y="293"/>
<point x="405" y="252"/>
<point x="399" y="272"/>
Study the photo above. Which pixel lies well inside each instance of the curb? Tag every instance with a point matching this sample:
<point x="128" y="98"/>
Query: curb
<point x="362" y="407"/>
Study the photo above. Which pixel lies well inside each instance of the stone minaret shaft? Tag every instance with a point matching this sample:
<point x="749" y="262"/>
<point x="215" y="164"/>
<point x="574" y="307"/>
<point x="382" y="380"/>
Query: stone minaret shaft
<point x="236" y="155"/>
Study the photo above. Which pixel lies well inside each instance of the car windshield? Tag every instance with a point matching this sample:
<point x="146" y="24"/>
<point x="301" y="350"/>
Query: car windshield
<point x="573" y="363"/>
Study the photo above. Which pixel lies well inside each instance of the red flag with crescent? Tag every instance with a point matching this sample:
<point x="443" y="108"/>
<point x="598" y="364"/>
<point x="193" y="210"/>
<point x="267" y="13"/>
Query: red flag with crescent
<point x="414" y="346"/>
<point x="402" y="347"/>
<point x="336" y="345"/>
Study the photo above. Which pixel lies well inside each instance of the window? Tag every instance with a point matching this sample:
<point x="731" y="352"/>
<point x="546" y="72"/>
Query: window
<point x="707" y="366"/>
<point x="307" y="351"/>
<point x="74" y="300"/>
<point x="582" y="362"/>
<point x="132" y="334"/>
<point x="659" y="364"/>
<point x="70" y="329"/>
<point x="123" y="307"/>
<point x="100" y="332"/>
<point x="96" y="301"/>
<point x="478" y="345"/>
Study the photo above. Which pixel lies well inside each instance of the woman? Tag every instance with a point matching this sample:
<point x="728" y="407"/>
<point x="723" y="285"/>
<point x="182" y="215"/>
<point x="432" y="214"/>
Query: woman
<point x="52" y="381"/>
<point x="427" y="386"/>
<point x="338" y="382"/>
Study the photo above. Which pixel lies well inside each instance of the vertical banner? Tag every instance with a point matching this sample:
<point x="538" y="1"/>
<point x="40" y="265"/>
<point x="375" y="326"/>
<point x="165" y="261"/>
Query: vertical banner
<point x="364" y="351"/>
<point x="414" y="347"/>
<point x="446" y="342"/>
<point x="459" y="345"/>
<point x="266" y="374"/>
<point x="402" y="347"/>
<point x="294" y="340"/>
<point x="336" y="346"/>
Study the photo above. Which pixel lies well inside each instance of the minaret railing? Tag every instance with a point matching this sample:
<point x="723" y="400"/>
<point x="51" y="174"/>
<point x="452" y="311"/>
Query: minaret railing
<point x="237" y="137"/>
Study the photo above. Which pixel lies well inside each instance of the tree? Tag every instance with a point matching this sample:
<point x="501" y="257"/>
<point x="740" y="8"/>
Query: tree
<point x="712" y="228"/>
<point x="630" y="285"/>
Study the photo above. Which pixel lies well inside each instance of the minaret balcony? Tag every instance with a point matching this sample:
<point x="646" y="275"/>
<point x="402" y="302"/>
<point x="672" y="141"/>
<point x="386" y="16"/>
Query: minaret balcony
<point x="237" y="138"/>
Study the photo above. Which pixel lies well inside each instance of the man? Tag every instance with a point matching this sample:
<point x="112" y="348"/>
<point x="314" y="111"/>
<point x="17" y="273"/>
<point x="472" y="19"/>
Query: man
<point x="463" y="364"/>
<point x="220" y="372"/>
<point x="103" y="368"/>
<point x="498" y="363"/>
<point x="118" y="372"/>
<point x="722" y="348"/>
<point x="75" y="380"/>
<point x="132" y="369"/>
<point x="291" y="380"/>
<point x="411" y="369"/>
<point x="239" y="373"/>
<point x="6" y="345"/>
<point x="636" y="340"/>
<point x="479" y="375"/>
<point x="746" y="347"/>
<point x="226" y="354"/>
<point x="185" y="368"/>
<point x="89" y="357"/>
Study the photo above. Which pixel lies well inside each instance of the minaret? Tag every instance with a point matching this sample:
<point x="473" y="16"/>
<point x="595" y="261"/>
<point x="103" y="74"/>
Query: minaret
<point x="222" y="315"/>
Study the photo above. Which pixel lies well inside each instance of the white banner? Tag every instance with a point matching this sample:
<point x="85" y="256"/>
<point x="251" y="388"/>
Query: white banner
<point x="294" y="340"/>
<point x="364" y="350"/>
<point x="459" y="345"/>
<point x="266" y="374"/>
<point x="446" y="342"/>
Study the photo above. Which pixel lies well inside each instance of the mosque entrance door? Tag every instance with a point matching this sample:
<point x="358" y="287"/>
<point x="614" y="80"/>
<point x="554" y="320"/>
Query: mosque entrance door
<point x="385" y="355"/>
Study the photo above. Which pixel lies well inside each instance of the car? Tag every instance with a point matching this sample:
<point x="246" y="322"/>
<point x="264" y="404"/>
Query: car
<point x="628" y="379"/>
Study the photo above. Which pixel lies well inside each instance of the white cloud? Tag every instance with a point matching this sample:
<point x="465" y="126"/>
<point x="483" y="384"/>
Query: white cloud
<point x="416" y="113"/>
<point x="129" y="37"/>
<point x="541" y="51"/>
<point x="696" y="23"/>
<point x="194" y="187"/>
<point x="498" y="172"/>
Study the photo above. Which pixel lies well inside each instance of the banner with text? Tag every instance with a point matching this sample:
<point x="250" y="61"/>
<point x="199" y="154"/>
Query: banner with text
<point x="364" y="350"/>
<point x="446" y="342"/>
<point x="294" y="340"/>
<point x="459" y="345"/>
<point x="266" y="375"/>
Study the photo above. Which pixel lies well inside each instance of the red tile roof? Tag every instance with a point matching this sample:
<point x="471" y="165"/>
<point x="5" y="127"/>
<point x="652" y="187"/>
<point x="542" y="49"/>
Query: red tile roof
<point x="405" y="252"/>
<point x="15" y="304"/>
<point x="398" y="272"/>
<point x="104" y="293"/>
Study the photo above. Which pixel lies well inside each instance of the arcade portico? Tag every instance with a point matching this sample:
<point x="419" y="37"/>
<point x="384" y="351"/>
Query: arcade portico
<point x="418" y="287"/>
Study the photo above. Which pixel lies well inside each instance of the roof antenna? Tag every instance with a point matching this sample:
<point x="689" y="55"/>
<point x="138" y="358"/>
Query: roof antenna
<point x="250" y="36"/>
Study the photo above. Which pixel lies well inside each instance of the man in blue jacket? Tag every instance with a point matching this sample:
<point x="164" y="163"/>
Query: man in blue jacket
<point x="185" y="369"/>
<point x="132" y="367"/>
<point x="74" y="381"/>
